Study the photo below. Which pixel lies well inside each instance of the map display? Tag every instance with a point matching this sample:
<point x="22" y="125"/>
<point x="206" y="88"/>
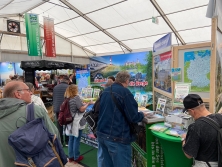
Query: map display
<point x="83" y="79"/>
<point x="197" y="70"/>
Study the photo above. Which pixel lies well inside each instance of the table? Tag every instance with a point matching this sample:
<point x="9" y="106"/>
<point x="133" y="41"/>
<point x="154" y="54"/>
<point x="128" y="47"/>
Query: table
<point x="173" y="153"/>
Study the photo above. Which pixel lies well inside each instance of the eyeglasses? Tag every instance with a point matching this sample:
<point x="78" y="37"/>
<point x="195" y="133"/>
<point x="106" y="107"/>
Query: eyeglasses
<point x="24" y="89"/>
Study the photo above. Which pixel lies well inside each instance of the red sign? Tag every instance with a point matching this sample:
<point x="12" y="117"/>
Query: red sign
<point x="165" y="56"/>
<point x="49" y="37"/>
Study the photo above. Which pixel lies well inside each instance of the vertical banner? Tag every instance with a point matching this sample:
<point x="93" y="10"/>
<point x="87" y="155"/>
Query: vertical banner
<point x="163" y="42"/>
<point x="49" y="37"/>
<point x="33" y="34"/>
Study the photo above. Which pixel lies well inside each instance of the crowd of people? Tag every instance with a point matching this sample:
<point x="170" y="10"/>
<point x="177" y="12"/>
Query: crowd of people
<point x="113" y="130"/>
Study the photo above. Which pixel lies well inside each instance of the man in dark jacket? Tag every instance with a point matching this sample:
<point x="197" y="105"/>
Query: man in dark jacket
<point x="113" y="130"/>
<point x="58" y="98"/>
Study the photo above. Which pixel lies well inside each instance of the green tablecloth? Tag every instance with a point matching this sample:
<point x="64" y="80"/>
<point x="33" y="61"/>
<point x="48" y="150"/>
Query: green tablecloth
<point x="173" y="153"/>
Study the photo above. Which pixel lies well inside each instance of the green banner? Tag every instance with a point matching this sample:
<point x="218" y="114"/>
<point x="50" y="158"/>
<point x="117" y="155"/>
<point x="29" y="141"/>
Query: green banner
<point x="33" y="34"/>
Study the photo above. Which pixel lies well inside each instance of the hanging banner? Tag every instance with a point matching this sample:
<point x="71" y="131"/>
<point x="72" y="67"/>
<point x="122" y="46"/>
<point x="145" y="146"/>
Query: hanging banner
<point x="162" y="43"/>
<point x="33" y="34"/>
<point x="49" y="37"/>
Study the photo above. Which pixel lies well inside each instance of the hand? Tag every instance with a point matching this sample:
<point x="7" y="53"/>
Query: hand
<point x="184" y="135"/>
<point x="91" y="102"/>
<point x="145" y="113"/>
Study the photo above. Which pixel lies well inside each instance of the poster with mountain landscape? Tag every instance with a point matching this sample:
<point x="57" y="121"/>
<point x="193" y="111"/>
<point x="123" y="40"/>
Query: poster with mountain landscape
<point x="139" y="65"/>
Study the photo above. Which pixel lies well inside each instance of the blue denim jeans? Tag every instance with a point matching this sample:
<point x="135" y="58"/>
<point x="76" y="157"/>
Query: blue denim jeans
<point x="73" y="146"/>
<point x="113" y="154"/>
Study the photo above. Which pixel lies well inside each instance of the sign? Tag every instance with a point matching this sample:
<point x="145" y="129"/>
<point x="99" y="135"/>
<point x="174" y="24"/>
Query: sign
<point x="33" y="34"/>
<point x="163" y="42"/>
<point x="176" y="74"/>
<point x="161" y="105"/>
<point x="155" y="20"/>
<point x="162" y="71"/>
<point x="83" y="79"/>
<point x="49" y="37"/>
<point x="181" y="91"/>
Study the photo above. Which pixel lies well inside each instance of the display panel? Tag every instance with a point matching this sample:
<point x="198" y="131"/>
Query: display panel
<point x="162" y="71"/>
<point x="181" y="64"/>
<point x="197" y="70"/>
<point x="139" y="65"/>
<point x="218" y="82"/>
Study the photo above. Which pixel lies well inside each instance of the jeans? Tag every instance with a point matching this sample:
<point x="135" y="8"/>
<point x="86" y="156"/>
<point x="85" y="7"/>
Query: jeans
<point x="73" y="146"/>
<point x="204" y="164"/>
<point x="60" y="128"/>
<point x="113" y="154"/>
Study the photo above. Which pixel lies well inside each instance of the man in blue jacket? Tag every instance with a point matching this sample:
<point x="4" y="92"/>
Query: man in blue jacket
<point x="113" y="130"/>
<point x="58" y="98"/>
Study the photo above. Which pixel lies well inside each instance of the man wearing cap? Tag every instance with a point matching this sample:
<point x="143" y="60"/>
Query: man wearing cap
<point x="58" y="98"/>
<point x="200" y="142"/>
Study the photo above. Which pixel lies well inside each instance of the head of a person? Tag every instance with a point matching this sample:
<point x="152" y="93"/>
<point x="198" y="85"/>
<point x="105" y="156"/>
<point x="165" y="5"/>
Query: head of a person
<point x="31" y="86"/>
<point x="21" y="78"/>
<point x="65" y="79"/>
<point x="123" y="77"/>
<point x="193" y="105"/>
<point x="109" y="83"/>
<point x="47" y="76"/>
<point x="52" y="76"/>
<point x="18" y="90"/>
<point x="112" y="78"/>
<point x="71" y="76"/>
<point x="71" y="91"/>
<point x="11" y="75"/>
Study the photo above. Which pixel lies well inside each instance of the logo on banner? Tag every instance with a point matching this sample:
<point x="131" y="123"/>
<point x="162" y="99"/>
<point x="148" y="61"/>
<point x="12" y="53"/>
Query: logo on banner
<point x="33" y="18"/>
<point x="162" y="43"/>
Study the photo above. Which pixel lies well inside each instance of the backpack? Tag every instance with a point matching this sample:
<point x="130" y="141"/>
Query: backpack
<point x="34" y="145"/>
<point x="216" y="126"/>
<point x="65" y="116"/>
<point x="91" y="117"/>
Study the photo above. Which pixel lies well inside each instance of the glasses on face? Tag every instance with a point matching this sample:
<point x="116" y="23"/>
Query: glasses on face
<point x="24" y="89"/>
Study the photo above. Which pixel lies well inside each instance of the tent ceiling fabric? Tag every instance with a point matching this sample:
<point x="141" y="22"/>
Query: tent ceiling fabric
<point x="106" y="26"/>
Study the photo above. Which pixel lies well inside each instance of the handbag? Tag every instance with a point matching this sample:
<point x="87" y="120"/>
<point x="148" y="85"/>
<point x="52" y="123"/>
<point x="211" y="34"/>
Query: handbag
<point x="91" y="118"/>
<point x="135" y="129"/>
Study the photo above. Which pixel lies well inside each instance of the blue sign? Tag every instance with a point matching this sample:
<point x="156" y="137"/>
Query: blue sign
<point x="162" y="43"/>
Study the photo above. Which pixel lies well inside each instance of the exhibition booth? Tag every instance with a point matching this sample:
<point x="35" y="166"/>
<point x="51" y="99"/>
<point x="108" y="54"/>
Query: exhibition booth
<point x="162" y="78"/>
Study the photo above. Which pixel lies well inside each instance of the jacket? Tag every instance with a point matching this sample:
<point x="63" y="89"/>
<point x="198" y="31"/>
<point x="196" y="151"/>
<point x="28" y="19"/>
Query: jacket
<point x="58" y="95"/>
<point x="112" y="124"/>
<point x="13" y="115"/>
<point x="73" y="128"/>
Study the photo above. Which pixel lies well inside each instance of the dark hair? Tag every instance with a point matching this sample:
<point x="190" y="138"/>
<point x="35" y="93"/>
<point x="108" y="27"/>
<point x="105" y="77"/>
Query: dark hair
<point x="112" y="77"/>
<point x="9" y="91"/>
<point x="52" y="76"/>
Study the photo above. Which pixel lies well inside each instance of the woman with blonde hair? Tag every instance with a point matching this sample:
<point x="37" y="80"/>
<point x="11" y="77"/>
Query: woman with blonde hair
<point x="74" y="130"/>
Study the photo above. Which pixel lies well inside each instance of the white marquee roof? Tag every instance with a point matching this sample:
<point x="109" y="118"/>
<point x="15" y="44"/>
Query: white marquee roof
<point x="105" y="26"/>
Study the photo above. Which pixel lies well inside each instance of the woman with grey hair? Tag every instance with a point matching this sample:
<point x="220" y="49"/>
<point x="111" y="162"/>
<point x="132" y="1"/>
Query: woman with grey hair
<point x="35" y="99"/>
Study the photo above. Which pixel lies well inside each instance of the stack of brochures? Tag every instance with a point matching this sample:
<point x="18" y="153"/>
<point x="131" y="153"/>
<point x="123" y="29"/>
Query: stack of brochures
<point x="152" y="116"/>
<point x="158" y="127"/>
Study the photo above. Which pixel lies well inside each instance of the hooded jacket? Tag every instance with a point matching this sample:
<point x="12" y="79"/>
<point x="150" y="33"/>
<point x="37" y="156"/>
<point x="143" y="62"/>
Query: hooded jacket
<point x="13" y="116"/>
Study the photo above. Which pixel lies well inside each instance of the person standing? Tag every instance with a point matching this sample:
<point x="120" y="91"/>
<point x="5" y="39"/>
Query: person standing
<point x="200" y="142"/>
<point x="58" y="98"/>
<point x="74" y="130"/>
<point x="16" y="96"/>
<point x="35" y="99"/>
<point x="113" y="130"/>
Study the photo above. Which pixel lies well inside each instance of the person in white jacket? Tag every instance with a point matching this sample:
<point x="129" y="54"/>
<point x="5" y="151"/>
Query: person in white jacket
<point x="35" y="99"/>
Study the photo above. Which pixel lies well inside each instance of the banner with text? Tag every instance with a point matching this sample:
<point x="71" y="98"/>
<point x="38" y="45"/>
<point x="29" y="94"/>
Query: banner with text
<point x="33" y="34"/>
<point x="163" y="42"/>
<point x="49" y="37"/>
